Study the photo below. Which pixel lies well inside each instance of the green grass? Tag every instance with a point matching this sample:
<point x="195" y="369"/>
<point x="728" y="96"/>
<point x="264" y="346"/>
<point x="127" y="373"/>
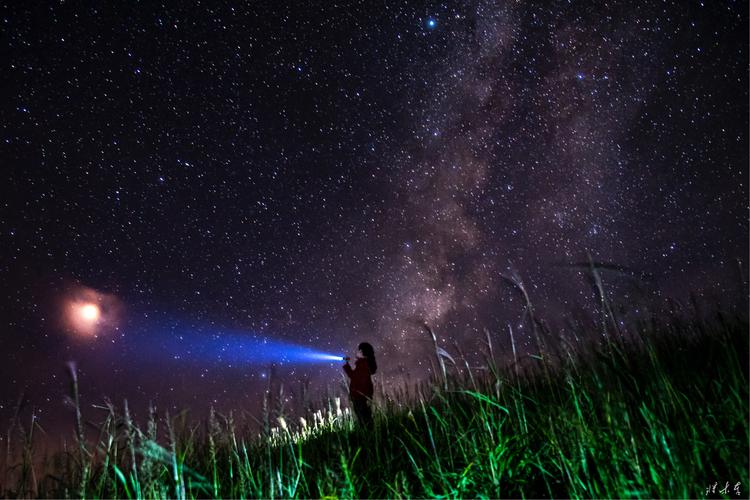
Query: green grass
<point x="657" y="410"/>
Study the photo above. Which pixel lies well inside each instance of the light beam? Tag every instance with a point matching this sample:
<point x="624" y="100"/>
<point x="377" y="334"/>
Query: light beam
<point x="234" y="348"/>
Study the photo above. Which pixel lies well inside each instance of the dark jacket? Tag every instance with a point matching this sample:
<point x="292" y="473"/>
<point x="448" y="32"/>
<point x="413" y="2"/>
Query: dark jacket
<point x="360" y="383"/>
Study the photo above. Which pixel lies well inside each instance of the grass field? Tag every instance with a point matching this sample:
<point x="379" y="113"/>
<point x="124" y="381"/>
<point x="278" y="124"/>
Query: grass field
<point x="657" y="409"/>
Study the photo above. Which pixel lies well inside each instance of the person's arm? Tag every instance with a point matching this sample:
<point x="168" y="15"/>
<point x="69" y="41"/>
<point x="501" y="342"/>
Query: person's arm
<point x="348" y="370"/>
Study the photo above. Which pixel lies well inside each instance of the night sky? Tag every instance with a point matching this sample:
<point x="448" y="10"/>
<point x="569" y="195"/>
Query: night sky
<point x="324" y="174"/>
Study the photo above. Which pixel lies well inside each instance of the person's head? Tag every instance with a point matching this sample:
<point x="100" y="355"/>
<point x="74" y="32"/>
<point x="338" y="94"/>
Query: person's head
<point x="368" y="353"/>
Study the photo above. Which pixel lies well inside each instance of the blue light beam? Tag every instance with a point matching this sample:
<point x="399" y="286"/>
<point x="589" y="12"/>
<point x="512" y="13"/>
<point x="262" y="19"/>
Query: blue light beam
<point x="234" y="348"/>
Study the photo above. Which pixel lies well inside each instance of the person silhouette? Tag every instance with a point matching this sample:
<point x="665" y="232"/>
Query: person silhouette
<point x="360" y="382"/>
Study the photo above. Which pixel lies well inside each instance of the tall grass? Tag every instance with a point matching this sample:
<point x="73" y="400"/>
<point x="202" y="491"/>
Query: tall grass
<point x="658" y="410"/>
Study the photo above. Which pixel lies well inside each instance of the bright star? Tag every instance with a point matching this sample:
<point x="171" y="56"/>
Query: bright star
<point x="89" y="312"/>
<point x="431" y="23"/>
<point x="83" y="318"/>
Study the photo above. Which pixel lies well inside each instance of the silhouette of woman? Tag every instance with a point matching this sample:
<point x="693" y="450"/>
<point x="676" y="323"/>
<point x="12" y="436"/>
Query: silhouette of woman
<point x="360" y="383"/>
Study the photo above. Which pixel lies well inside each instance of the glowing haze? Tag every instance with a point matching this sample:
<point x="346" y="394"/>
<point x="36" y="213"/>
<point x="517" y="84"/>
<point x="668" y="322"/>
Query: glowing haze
<point x="88" y="313"/>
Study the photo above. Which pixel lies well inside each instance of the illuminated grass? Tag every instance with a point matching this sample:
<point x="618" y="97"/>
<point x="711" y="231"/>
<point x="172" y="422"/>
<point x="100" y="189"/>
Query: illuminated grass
<point x="663" y="414"/>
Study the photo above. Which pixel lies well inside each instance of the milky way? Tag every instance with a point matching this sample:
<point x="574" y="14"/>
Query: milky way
<point x="325" y="175"/>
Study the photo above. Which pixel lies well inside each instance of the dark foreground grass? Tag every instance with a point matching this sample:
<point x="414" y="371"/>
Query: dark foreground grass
<point x="661" y="414"/>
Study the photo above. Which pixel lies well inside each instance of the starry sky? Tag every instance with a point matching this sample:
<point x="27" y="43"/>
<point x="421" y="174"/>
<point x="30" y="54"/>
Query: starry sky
<point x="324" y="173"/>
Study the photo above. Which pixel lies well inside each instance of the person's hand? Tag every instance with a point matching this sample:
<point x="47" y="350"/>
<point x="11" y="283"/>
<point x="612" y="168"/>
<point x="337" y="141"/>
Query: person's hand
<point x="347" y="358"/>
